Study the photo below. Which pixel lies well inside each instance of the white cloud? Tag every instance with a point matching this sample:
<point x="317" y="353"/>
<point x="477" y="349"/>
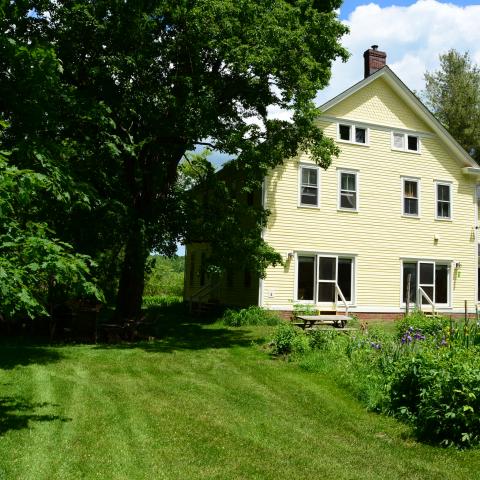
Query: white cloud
<point x="413" y="37"/>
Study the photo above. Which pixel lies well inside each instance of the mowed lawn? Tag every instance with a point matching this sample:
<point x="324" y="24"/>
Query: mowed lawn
<point x="204" y="402"/>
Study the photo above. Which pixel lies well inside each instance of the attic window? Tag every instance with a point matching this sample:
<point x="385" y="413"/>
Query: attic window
<point x="352" y="134"/>
<point x="405" y="142"/>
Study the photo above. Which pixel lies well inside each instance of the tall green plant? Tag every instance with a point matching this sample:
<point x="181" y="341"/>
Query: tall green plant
<point x="36" y="269"/>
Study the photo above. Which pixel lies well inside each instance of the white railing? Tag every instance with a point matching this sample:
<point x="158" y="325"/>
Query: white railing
<point x="338" y="293"/>
<point x="422" y="294"/>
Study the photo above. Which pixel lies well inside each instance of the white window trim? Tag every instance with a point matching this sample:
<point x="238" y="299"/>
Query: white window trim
<point x="405" y="142"/>
<point x="419" y="196"/>
<point x="419" y="260"/>
<point x="353" y="126"/>
<point x="316" y="255"/>
<point x="450" y="185"/>
<point x="339" y="189"/>
<point x="299" y="199"/>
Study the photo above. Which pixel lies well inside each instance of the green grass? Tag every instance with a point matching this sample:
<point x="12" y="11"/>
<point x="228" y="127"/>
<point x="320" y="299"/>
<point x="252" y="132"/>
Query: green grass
<point x="204" y="402"/>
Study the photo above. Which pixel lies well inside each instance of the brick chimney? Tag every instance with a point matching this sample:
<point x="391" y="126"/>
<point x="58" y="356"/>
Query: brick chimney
<point x="374" y="60"/>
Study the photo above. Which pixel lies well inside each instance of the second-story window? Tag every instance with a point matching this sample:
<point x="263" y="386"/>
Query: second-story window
<point x="348" y="191"/>
<point x="411" y="197"/>
<point x="405" y="142"/>
<point x="352" y="133"/>
<point x="443" y="209"/>
<point x="309" y="186"/>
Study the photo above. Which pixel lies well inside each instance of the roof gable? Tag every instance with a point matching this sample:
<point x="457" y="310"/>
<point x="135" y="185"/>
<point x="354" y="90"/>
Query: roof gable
<point x="365" y="98"/>
<point x="379" y="101"/>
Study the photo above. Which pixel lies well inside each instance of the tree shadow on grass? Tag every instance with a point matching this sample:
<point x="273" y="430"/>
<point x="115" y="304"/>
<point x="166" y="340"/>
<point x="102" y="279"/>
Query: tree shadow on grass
<point x="172" y="328"/>
<point x="20" y="353"/>
<point x="17" y="414"/>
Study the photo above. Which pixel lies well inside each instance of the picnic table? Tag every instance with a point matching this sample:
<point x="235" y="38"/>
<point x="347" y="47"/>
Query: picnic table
<point x="337" y="321"/>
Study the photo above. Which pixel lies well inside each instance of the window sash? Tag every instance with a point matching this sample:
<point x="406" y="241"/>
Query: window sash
<point x="345" y="132"/>
<point x="348" y="190"/>
<point x="352" y="134"/>
<point x="412" y="140"/>
<point x="360" y="135"/>
<point x="404" y="142"/>
<point x="399" y="141"/>
<point x="309" y="191"/>
<point x="444" y="201"/>
<point x="411" y="198"/>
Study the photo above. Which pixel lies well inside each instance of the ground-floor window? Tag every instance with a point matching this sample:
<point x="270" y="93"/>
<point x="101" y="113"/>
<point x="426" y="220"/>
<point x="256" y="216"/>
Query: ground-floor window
<point x="320" y="278"/>
<point x="433" y="277"/>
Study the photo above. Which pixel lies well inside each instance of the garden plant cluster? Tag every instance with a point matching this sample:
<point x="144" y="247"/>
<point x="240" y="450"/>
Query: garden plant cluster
<point x="427" y="373"/>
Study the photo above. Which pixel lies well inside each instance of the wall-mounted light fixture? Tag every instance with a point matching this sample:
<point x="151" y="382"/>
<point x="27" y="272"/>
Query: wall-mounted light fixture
<point x="290" y="256"/>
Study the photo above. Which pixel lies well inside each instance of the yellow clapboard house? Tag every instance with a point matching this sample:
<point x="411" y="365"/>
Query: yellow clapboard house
<point x="398" y="206"/>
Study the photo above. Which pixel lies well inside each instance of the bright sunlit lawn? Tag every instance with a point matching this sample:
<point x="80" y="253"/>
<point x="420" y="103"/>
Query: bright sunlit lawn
<point x="204" y="402"/>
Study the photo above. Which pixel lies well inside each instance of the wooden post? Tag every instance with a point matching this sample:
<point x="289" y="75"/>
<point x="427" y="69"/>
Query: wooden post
<point x="407" y="305"/>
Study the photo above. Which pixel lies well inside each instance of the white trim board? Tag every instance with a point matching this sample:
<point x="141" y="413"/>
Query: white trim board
<point x="373" y="309"/>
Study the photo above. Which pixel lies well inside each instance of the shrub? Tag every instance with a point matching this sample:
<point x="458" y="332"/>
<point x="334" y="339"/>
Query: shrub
<point x="438" y="391"/>
<point x="288" y="338"/>
<point x="418" y="321"/>
<point x="250" y="316"/>
<point x="322" y="339"/>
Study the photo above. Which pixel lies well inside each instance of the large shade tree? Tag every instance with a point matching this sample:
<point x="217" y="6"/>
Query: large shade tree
<point x="453" y="94"/>
<point x="145" y="82"/>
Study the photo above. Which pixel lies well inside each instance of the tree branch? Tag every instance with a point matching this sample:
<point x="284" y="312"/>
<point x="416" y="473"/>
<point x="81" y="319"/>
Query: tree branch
<point x="206" y="144"/>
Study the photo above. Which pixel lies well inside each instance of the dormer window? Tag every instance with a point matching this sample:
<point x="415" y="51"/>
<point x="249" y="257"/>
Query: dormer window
<point x="352" y="134"/>
<point x="405" y="142"/>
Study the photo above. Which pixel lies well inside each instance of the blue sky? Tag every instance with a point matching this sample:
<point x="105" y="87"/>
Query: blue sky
<point x="349" y="5"/>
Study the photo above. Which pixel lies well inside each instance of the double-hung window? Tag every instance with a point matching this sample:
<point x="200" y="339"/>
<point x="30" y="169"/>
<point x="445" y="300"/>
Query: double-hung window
<point x="405" y="142"/>
<point x="443" y="195"/>
<point x="309" y="186"/>
<point x="352" y="134"/>
<point x="348" y="190"/>
<point x="411" y="197"/>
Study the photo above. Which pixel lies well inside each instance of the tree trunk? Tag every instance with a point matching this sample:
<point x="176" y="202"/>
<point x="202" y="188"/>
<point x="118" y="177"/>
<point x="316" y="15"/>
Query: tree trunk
<point x="130" y="289"/>
<point x="146" y="196"/>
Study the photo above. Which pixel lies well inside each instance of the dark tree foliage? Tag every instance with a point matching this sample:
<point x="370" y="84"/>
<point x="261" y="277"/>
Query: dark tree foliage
<point x="453" y="94"/>
<point x="37" y="269"/>
<point x="144" y="82"/>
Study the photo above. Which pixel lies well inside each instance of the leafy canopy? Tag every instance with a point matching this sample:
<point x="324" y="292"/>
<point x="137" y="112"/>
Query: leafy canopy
<point x="453" y="94"/>
<point x="144" y="82"/>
